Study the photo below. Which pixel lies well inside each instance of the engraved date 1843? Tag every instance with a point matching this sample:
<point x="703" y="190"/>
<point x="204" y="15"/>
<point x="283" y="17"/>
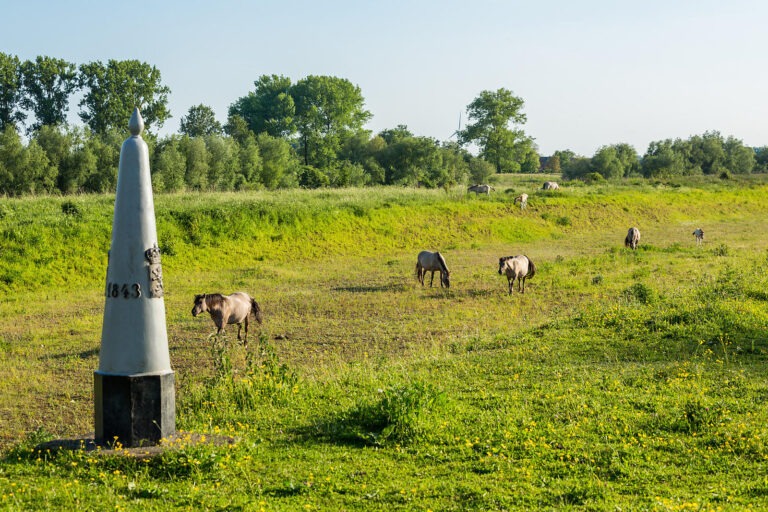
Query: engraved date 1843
<point x="123" y="290"/>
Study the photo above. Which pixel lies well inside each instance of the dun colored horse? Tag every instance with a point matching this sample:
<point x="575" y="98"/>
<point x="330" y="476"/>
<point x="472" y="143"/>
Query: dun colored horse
<point x="481" y="189"/>
<point x="228" y="309"/>
<point x="632" y="238"/>
<point x="550" y="185"/>
<point x="523" y="198"/>
<point x="516" y="267"/>
<point x="432" y="262"/>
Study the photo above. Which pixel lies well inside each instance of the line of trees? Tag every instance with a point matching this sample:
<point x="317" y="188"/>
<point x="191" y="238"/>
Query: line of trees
<point x="284" y="134"/>
<point x="707" y="154"/>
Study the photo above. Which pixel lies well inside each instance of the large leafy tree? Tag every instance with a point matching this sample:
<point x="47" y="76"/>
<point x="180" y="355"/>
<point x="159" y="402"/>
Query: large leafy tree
<point x="48" y="85"/>
<point x="393" y="135"/>
<point x="703" y="153"/>
<point x="200" y="121"/>
<point x="616" y="161"/>
<point x="328" y="111"/>
<point x="11" y="91"/>
<point x="269" y="109"/>
<point x="739" y="158"/>
<point x="169" y="166"/>
<point x="114" y="89"/>
<point x="279" y="163"/>
<point x="661" y="160"/>
<point x="491" y="115"/>
<point x="410" y="160"/>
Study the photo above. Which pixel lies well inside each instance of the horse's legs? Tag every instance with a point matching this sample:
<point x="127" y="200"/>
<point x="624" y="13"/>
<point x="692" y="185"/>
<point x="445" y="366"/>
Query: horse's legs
<point x="245" y="339"/>
<point x="431" y="278"/>
<point x="523" y="281"/>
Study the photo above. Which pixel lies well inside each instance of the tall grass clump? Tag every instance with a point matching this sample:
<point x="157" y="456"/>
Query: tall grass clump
<point x="398" y="414"/>
<point x="231" y="391"/>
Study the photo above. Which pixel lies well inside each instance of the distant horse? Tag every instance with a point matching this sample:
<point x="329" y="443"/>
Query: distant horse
<point x="432" y="262"/>
<point x="523" y="198"/>
<point x="699" y="234"/>
<point x="632" y="239"/>
<point x="550" y="185"/>
<point x="228" y="309"/>
<point x="481" y="189"/>
<point x="516" y="267"/>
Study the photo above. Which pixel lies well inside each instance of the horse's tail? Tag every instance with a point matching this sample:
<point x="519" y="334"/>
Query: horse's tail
<point x="531" y="268"/>
<point x="256" y="310"/>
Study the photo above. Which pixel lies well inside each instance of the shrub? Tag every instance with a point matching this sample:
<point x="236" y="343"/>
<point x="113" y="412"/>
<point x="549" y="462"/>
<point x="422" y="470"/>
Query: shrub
<point x="593" y="177"/>
<point x="720" y="250"/>
<point x="70" y="209"/>
<point x="399" y="413"/>
<point x="641" y="293"/>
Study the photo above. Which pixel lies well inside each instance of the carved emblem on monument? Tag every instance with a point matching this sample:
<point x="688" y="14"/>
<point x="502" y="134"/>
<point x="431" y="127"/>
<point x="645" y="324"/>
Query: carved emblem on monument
<point x="155" y="272"/>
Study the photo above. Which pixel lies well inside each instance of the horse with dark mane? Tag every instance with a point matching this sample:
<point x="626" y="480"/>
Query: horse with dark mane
<point x="632" y="238"/>
<point x="516" y="267"/>
<point x="523" y="198"/>
<point x="432" y="262"/>
<point x="481" y="189"/>
<point x="228" y="309"/>
<point x="699" y="234"/>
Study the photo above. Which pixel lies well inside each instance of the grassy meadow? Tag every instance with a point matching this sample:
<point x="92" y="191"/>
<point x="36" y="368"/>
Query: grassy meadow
<point x="621" y="380"/>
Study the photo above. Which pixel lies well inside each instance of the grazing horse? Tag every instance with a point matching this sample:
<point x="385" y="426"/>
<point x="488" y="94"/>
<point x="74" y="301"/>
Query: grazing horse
<point x="516" y="267"/>
<point x="228" y="309"/>
<point x="632" y="238"/>
<point x="481" y="189"/>
<point x="523" y="198"/>
<point x="550" y="185"/>
<point x="699" y="234"/>
<point x="432" y="262"/>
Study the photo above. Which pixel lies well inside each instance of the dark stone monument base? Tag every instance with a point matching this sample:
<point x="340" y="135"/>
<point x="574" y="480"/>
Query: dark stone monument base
<point x="134" y="410"/>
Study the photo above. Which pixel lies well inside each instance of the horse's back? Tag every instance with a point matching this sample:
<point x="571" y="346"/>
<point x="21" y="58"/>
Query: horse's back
<point x="426" y="258"/>
<point x="517" y="265"/>
<point x="239" y="304"/>
<point x="431" y="261"/>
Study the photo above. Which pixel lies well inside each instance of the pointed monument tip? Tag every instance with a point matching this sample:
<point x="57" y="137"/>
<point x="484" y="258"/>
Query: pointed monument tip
<point x="136" y="124"/>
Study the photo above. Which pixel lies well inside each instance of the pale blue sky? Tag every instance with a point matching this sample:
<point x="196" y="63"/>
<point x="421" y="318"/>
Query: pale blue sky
<point x="591" y="73"/>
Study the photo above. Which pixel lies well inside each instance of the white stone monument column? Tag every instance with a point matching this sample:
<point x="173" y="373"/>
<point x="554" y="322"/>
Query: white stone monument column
<point x="134" y="386"/>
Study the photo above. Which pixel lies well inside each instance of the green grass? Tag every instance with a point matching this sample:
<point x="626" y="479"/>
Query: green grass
<point x="621" y="379"/>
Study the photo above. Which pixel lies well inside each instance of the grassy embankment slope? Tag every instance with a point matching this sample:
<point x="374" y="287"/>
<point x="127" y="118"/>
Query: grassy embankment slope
<point x="632" y="379"/>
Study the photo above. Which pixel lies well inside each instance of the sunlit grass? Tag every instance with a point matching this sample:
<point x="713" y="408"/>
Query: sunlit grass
<point x="631" y="379"/>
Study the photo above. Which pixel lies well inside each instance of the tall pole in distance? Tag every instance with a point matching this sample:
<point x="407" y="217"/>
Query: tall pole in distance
<point x="134" y="386"/>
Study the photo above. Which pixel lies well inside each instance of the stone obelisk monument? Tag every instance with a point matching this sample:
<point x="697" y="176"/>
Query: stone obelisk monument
<point x="135" y="399"/>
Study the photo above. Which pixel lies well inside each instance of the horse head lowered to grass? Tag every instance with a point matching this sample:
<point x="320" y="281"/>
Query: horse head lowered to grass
<point x="228" y="309"/>
<point x="632" y="238"/>
<point x="481" y="189"/>
<point x="432" y="262"/>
